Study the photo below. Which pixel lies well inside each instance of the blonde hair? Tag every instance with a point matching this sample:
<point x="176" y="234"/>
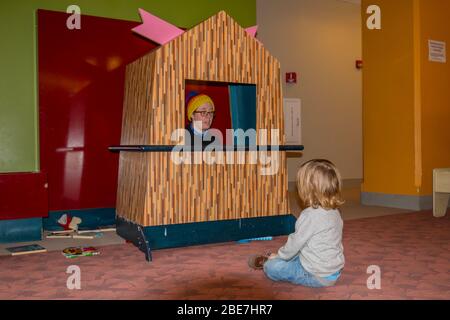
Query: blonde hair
<point x="319" y="185"/>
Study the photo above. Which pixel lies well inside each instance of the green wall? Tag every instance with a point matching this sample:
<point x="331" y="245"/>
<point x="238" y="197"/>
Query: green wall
<point x="19" y="140"/>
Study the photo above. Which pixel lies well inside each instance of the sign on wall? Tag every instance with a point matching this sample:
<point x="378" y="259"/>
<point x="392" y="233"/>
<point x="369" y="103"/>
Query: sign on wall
<point x="437" y="51"/>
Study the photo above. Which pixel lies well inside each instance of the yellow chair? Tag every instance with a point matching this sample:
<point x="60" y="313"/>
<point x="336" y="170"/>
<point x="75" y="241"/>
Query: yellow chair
<point x="441" y="191"/>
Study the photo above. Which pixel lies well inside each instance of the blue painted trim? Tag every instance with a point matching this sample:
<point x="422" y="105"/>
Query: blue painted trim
<point x="91" y="218"/>
<point x="183" y="235"/>
<point x="21" y="230"/>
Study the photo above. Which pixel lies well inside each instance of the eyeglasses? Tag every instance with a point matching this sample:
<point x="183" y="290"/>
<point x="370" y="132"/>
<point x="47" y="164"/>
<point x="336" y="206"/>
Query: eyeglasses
<point x="205" y="113"/>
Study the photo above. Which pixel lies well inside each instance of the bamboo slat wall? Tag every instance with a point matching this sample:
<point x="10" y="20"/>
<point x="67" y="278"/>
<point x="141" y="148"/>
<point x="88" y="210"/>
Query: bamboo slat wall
<point x="155" y="191"/>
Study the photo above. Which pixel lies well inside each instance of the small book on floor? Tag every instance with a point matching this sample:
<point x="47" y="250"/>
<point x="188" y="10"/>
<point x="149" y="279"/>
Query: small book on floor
<point x="74" y="252"/>
<point x="58" y="235"/>
<point x="87" y="235"/>
<point x="62" y="231"/>
<point x="101" y="229"/>
<point x="32" y="248"/>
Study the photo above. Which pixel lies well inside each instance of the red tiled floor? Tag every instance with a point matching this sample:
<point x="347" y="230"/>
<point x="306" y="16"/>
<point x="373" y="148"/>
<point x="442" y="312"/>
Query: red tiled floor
<point x="412" y="250"/>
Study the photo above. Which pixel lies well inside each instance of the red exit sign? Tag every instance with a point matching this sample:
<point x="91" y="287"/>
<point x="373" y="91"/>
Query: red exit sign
<point x="291" y="77"/>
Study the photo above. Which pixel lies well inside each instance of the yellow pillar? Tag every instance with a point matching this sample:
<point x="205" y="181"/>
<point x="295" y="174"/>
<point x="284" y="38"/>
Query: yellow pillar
<point x="404" y="96"/>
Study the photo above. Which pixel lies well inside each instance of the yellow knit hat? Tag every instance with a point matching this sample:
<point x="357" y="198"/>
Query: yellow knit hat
<point x="196" y="102"/>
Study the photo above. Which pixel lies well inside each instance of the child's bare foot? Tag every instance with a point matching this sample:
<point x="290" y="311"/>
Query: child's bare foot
<point x="257" y="261"/>
<point x="273" y="256"/>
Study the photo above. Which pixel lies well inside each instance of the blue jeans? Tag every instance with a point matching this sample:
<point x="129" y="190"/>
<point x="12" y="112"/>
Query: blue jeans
<point x="293" y="271"/>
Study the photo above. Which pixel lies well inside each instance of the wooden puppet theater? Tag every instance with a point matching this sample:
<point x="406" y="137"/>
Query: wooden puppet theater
<point x="161" y="204"/>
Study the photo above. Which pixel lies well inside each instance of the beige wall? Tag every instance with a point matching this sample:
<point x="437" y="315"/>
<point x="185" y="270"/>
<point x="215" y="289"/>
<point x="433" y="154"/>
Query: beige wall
<point x="320" y="40"/>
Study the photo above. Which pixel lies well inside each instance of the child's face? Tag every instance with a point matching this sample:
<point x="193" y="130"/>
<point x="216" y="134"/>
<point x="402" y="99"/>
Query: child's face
<point x="204" y="115"/>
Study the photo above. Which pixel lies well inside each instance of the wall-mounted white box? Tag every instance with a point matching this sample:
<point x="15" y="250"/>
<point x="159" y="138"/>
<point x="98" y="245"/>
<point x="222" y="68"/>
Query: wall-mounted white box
<point x="293" y="121"/>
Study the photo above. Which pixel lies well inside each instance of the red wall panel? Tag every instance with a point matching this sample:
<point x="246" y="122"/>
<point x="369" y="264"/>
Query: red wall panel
<point x="81" y="88"/>
<point x="23" y="195"/>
